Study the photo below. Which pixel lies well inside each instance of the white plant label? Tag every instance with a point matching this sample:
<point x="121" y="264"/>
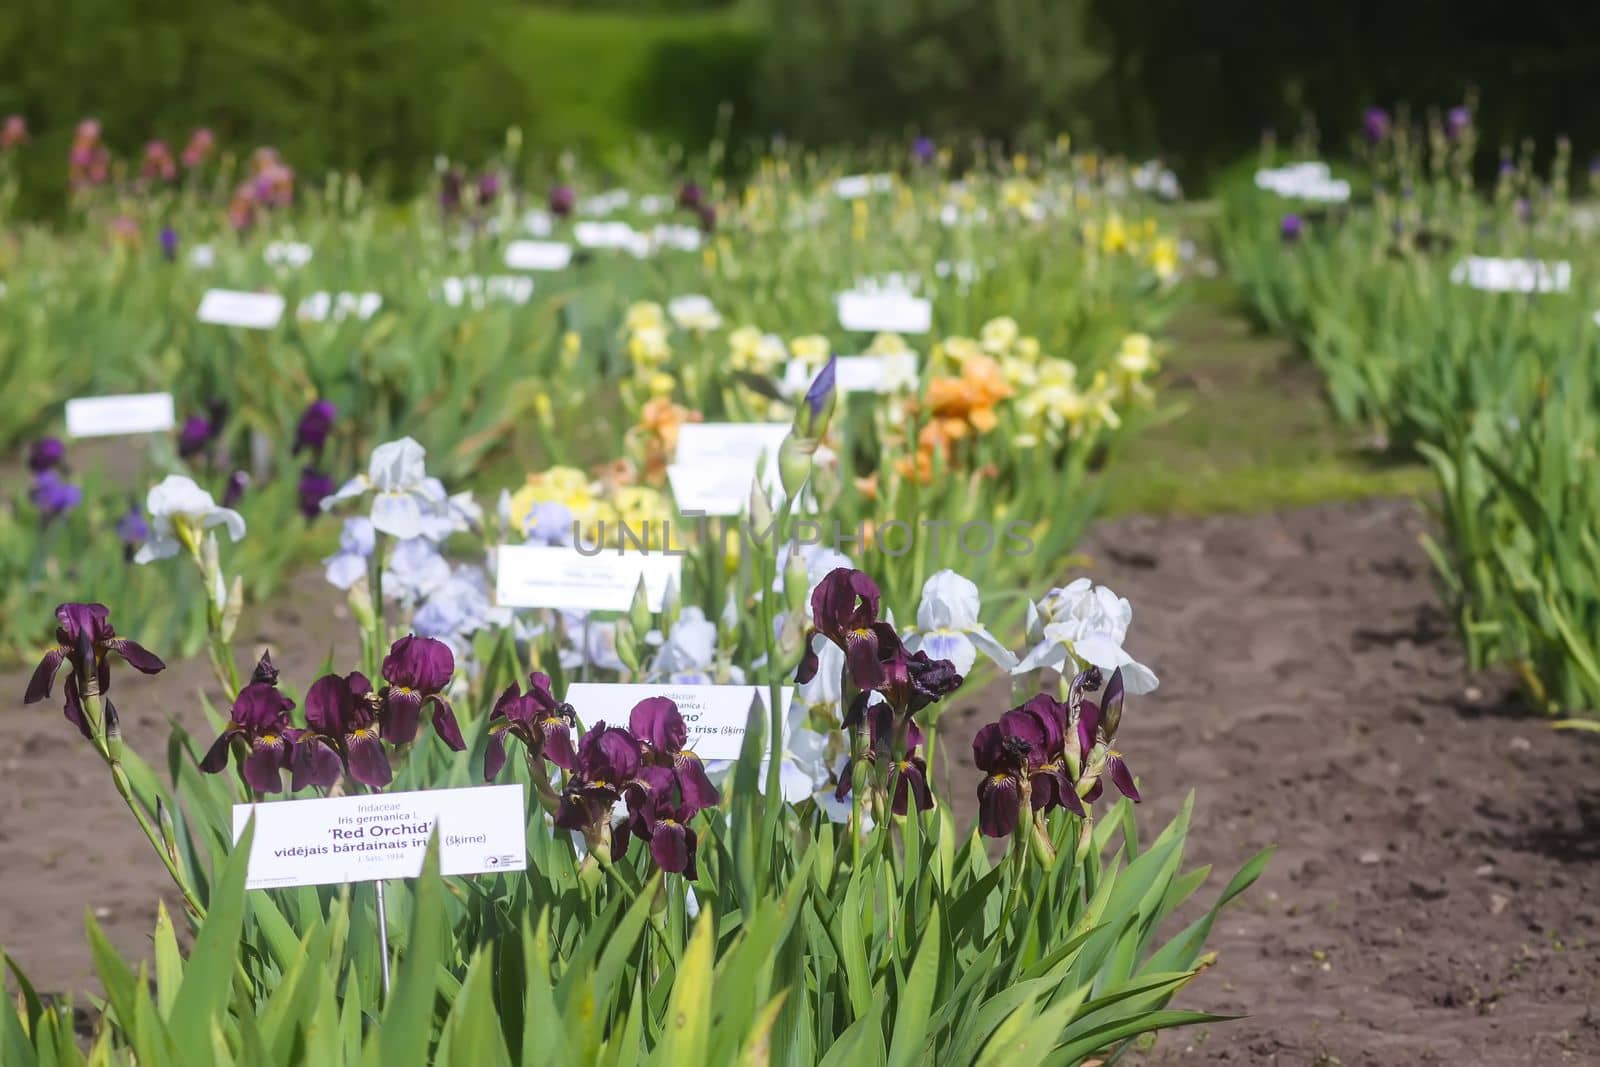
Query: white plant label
<point x="682" y="238"/>
<point x="860" y="374"/>
<point x="857" y="186"/>
<point x="716" y="715"/>
<point x="109" y="416"/>
<point x="330" y="841"/>
<point x="608" y="235"/>
<point x="538" y="255"/>
<point x="319" y="307"/>
<point x="719" y="488"/>
<point x="291" y="254"/>
<point x="1311" y="180"/>
<point x="710" y="442"/>
<point x="539" y="223"/>
<point x="1495" y="275"/>
<point x="476" y="291"/>
<point x="248" y="311"/>
<point x="884" y="312"/>
<point x="557" y="576"/>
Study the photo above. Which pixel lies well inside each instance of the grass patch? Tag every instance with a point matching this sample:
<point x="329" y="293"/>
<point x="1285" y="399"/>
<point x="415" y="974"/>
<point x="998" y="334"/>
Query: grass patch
<point x="1244" y="427"/>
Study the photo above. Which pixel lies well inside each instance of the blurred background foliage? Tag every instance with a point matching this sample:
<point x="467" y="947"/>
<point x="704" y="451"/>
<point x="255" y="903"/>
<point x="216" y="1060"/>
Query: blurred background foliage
<point x="385" y="85"/>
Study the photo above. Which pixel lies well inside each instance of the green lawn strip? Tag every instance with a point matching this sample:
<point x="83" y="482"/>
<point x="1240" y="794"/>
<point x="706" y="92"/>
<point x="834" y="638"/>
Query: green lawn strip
<point x="1242" y="426"/>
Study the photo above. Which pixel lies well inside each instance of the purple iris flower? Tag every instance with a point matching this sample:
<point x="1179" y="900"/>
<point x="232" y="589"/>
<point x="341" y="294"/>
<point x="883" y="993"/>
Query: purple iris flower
<point x="342" y="735"/>
<point x="658" y="816"/>
<point x="46" y="453"/>
<point x="313" y="489"/>
<point x="549" y="523"/>
<point x="1008" y="752"/>
<point x="562" y="200"/>
<point x="53" y="495"/>
<point x="194" y="436"/>
<point x="233" y="492"/>
<point x="1291" y="228"/>
<point x="1097" y="730"/>
<point x="543" y="724"/>
<point x="821" y="397"/>
<point x="844" y="610"/>
<point x="85" y="638"/>
<point x="450" y="188"/>
<point x="258" y="726"/>
<point x="1457" y="121"/>
<point x="132" y="530"/>
<point x="488" y="187"/>
<point x="691" y="196"/>
<point x="266" y="672"/>
<point x="908" y="771"/>
<point x="924" y="150"/>
<point x="608" y="758"/>
<point x="417" y="670"/>
<point x="1375" y="124"/>
<point x="913" y="681"/>
<point x="316" y="422"/>
<point x="169" y="243"/>
<point x="662" y="733"/>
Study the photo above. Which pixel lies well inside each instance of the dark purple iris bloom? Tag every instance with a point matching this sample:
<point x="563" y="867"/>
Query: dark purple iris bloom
<point x="266" y="672"/>
<point x="924" y="150"/>
<point x="1457" y="121"/>
<point x="341" y="735"/>
<point x="608" y="759"/>
<point x="45" y="454"/>
<point x="1291" y="228"/>
<point x="908" y="772"/>
<point x="543" y="724"/>
<point x="562" y="200"/>
<point x="691" y="196"/>
<point x="313" y="489"/>
<point x="662" y="733"/>
<point x="418" y="669"/>
<point x="1097" y="726"/>
<point x="194" y="436"/>
<point x="708" y="217"/>
<point x="1008" y="752"/>
<point x="1524" y="209"/>
<point x="316" y="422"/>
<point x="1507" y="168"/>
<point x="259" y="722"/>
<point x="844" y="609"/>
<point x="169" y="243"/>
<point x="132" y="530"/>
<point x="84" y="638"/>
<point x="659" y="816"/>
<point x="233" y="492"/>
<point x="1028" y="747"/>
<point x="1375" y="124"/>
<point x="912" y="682"/>
<point x="1594" y="165"/>
<point x="53" y="495"/>
<point x="450" y="188"/>
<point x="488" y="187"/>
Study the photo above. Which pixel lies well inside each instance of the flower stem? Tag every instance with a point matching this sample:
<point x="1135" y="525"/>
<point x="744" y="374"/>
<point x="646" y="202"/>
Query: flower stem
<point x="119" y="778"/>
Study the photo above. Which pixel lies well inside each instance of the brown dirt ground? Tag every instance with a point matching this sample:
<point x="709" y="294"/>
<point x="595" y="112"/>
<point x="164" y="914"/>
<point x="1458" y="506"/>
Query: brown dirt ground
<point x="1435" y="897"/>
